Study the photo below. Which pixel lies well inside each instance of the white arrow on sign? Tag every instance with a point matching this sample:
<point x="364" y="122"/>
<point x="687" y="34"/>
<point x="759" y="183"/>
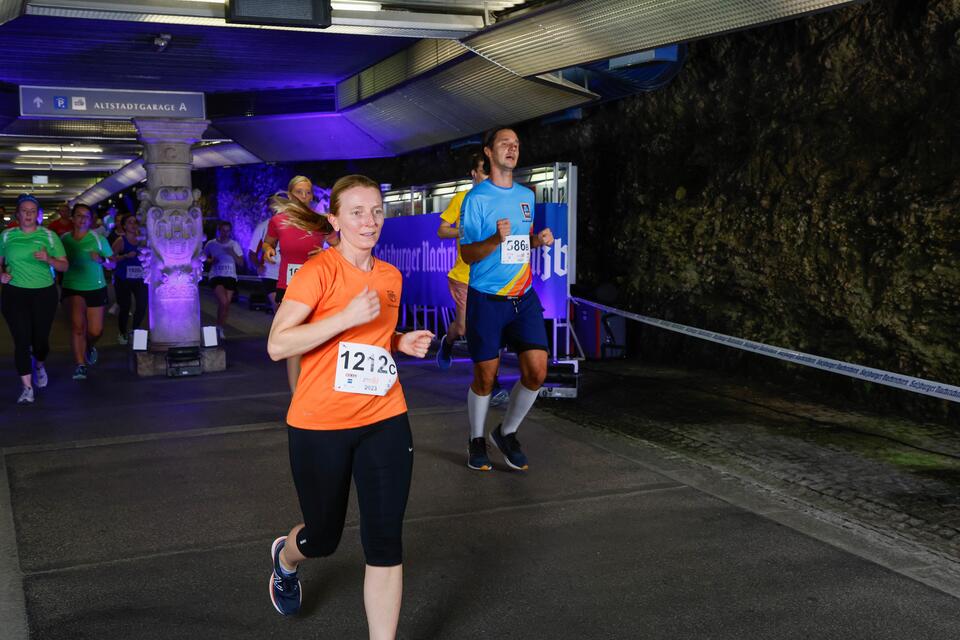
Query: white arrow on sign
<point x="38" y="101"/>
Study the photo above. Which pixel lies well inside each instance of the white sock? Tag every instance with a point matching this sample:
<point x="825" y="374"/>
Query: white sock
<point x="477" y="413"/>
<point x="521" y="399"/>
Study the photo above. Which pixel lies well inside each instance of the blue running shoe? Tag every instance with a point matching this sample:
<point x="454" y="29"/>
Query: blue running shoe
<point x="500" y="397"/>
<point x="92" y="356"/>
<point x="80" y="372"/>
<point x="444" y="354"/>
<point x="510" y="448"/>
<point x="477" y="455"/>
<point x="284" y="590"/>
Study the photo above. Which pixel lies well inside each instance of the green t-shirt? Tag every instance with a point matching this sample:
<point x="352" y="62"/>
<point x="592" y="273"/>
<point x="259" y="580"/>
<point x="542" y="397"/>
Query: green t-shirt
<point x="17" y="249"/>
<point x="84" y="274"/>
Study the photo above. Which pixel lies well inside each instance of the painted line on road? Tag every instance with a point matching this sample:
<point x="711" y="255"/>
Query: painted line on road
<point x="190" y="433"/>
<point x="659" y="487"/>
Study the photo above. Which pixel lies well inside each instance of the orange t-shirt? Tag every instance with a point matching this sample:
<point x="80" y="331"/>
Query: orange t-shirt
<point x="327" y="283"/>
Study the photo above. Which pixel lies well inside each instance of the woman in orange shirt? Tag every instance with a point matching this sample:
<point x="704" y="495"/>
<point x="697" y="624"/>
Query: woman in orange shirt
<point x="348" y="416"/>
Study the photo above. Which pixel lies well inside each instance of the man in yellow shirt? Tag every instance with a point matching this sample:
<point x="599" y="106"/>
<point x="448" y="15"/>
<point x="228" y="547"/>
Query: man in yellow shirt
<point x="458" y="278"/>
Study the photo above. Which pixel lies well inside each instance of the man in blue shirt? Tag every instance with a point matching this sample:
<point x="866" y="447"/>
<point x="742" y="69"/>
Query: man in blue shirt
<point x="496" y="236"/>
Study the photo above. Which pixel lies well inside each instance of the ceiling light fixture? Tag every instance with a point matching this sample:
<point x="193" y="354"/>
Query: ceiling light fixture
<point x="27" y="185"/>
<point x="56" y="148"/>
<point x="44" y="163"/>
<point x="356" y="6"/>
<point x="44" y="158"/>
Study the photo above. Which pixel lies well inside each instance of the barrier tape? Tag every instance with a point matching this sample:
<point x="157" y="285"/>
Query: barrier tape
<point x="896" y="380"/>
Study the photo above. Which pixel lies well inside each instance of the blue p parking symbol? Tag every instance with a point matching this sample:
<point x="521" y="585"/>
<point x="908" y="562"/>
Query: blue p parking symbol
<point x="60" y="102"/>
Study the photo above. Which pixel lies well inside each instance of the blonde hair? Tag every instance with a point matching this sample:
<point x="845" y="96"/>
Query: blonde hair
<point x="295" y="180"/>
<point x="299" y="215"/>
<point x="345" y="183"/>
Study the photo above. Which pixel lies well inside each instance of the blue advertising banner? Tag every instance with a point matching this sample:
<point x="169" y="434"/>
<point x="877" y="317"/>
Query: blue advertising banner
<point x="410" y="243"/>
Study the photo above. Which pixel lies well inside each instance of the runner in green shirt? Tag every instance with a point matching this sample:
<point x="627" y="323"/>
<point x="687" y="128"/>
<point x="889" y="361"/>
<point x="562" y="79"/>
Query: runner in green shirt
<point x="29" y="297"/>
<point x="85" y="287"/>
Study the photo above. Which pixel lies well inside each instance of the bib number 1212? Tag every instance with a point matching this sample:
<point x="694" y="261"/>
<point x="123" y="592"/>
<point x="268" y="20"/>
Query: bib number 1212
<point x="365" y="369"/>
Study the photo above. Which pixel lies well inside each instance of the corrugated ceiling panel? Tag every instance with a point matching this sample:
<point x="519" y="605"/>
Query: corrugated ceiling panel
<point x="399" y="68"/>
<point x="72" y="128"/>
<point x="348" y="92"/>
<point x="574" y="33"/>
<point x="457" y="102"/>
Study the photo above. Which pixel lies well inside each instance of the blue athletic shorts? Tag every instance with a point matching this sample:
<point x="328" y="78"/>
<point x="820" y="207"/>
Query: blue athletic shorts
<point x="497" y="321"/>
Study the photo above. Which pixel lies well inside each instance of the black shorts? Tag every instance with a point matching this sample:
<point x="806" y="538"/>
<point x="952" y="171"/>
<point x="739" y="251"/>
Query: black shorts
<point x="269" y="285"/>
<point x="379" y="457"/>
<point x="280" y="293"/>
<point x="95" y="298"/>
<point x="230" y="284"/>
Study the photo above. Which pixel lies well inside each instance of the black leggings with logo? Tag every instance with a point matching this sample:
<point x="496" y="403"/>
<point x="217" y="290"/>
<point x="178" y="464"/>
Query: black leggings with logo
<point x="379" y="457"/>
<point x="29" y="314"/>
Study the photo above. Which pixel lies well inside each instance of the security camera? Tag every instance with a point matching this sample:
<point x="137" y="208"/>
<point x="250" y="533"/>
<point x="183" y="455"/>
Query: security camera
<point x="162" y="41"/>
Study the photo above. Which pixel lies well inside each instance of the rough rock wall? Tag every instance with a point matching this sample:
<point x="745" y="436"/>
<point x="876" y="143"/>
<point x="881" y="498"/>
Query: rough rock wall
<point x="797" y="184"/>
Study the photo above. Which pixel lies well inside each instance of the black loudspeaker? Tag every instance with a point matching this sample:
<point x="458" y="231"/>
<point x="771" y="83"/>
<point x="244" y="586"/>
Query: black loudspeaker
<point x="285" y="13"/>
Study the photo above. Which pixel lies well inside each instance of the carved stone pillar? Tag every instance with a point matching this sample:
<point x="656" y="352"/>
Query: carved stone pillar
<point x="169" y="212"/>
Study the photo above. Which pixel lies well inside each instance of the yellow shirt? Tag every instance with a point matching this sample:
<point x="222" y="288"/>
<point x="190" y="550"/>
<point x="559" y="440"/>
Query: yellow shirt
<point x="451" y="215"/>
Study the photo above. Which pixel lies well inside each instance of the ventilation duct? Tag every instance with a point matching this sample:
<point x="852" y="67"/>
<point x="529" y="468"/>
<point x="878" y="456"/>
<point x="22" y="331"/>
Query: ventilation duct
<point x="574" y="33"/>
<point x="10" y="9"/>
<point x="460" y="101"/>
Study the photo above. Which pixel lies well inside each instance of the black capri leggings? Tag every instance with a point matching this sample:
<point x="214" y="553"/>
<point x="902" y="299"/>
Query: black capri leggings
<point x="380" y="459"/>
<point x="29" y="314"/>
<point x="125" y="288"/>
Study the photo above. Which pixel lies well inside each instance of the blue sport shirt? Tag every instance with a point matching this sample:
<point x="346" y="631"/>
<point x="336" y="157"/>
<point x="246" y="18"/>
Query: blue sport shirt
<point x="484" y="205"/>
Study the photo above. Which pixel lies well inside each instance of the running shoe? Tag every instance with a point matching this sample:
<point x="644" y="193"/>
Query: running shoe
<point x="92" y="356"/>
<point x="284" y="590"/>
<point x="122" y="338"/>
<point x="26" y="396"/>
<point x="510" y="448"/>
<point x="477" y="455"/>
<point x="42" y="378"/>
<point x="114" y="309"/>
<point x="444" y="354"/>
<point x="500" y="397"/>
<point x="80" y="373"/>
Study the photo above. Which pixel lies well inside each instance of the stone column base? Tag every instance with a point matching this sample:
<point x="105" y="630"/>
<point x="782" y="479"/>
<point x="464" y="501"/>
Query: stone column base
<point x="154" y="363"/>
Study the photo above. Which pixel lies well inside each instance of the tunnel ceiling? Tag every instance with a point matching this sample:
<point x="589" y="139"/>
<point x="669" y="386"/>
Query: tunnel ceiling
<point x="332" y="94"/>
<point x="121" y="55"/>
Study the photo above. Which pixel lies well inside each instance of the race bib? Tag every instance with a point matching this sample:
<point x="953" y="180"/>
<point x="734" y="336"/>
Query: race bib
<point x="292" y="270"/>
<point x="134" y="273"/>
<point x="364" y="369"/>
<point x="515" y="250"/>
<point x="223" y="271"/>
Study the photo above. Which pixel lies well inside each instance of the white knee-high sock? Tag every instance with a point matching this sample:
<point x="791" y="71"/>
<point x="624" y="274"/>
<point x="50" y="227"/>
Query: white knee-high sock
<point x="477" y="413"/>
<point x="521" y="399"/>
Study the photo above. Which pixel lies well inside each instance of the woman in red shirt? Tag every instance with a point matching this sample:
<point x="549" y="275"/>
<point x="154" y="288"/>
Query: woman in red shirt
<point x="301" y="233"/>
